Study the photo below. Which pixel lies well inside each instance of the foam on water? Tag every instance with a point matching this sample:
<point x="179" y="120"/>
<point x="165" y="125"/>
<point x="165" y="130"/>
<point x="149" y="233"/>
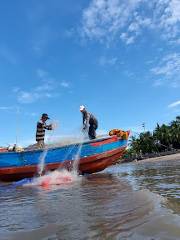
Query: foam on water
<point x="60" y="176"/>
<point x="57" y="177"/>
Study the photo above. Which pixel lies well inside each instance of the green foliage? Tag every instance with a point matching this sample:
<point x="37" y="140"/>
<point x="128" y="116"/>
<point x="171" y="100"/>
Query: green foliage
<point x="164" y="137"/>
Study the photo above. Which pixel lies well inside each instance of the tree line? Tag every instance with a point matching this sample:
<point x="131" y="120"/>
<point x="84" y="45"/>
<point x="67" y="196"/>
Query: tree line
<point x="163" y="138"/>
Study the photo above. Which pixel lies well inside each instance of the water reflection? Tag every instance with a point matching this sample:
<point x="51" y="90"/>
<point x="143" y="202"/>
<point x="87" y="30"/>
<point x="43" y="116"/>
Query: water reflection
<point x="162" y="178"/>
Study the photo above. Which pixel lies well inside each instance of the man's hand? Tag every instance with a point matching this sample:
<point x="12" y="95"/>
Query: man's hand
<point x="50" y="127"/>
<point x="84" y="128"/>
<point x="55" y="125"/>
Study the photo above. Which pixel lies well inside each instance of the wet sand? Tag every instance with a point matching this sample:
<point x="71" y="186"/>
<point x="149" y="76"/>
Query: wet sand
<point x="175" y="156"/>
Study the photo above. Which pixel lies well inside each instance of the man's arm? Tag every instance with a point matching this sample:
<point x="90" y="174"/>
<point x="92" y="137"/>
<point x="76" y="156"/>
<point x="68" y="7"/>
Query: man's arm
<point x="86" y="118"/>
<point x="48" y="127"/>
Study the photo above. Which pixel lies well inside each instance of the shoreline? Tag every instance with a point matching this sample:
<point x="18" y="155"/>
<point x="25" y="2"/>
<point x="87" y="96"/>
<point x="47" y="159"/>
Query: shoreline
<point x="175" y="156"/>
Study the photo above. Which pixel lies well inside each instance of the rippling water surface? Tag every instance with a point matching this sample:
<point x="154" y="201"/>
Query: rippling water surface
<point x="128" y="201"/>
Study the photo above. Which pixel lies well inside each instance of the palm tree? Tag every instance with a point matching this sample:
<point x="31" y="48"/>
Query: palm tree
<point x="175" y="130"/>
<point x="163" y="137"/>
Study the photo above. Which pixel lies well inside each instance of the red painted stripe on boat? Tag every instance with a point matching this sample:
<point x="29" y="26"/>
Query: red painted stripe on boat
<point x="105" y="141"/>
<point x="97" y="166"/>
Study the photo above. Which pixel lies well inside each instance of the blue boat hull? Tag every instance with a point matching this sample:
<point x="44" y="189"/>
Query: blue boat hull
<point x="93" y="156"/>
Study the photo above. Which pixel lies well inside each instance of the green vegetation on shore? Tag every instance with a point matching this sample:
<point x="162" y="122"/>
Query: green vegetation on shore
<point x="163" y="138"/>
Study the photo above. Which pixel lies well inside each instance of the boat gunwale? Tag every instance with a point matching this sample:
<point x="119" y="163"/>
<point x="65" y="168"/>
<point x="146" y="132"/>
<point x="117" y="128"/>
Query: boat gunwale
<point x="64" y="146"/>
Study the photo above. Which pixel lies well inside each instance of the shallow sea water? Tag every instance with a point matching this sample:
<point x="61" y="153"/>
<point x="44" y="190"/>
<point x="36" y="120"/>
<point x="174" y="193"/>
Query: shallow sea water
<point x="127" y="201"/>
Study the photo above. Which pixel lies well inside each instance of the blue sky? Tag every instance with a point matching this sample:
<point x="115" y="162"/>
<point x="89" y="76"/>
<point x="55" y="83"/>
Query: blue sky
<point x="119" y="58"/>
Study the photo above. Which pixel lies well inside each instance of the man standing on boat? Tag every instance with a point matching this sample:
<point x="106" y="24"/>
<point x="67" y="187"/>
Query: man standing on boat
<point x="90" y="123"/>
<point x="40" y="131"/>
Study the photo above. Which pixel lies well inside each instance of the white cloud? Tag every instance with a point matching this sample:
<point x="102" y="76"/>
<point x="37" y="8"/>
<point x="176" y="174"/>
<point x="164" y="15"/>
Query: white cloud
<point x="30" y="97"/>
<point x="48" y="88"/>
<point x="45" y="90"/>
<point x="128" y="40"/>
<point x="168" y="65"/>
<point x="6" y="108"/>
<point x="11" y="109"/>
<point x="104" y="20"/>
<point x="41" y="73"/>
<point x="174" y="104"/>
<point x="105" y="61"/>
<point x="65" y="84"/>
<point x="168" y="71"/>
<point x="158" y="83"/>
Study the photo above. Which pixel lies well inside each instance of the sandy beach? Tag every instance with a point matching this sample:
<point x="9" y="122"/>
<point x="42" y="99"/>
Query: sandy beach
<point x="175" y="156"/>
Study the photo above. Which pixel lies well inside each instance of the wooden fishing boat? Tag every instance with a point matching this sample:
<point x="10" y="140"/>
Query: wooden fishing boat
<point x="94" y="156"/>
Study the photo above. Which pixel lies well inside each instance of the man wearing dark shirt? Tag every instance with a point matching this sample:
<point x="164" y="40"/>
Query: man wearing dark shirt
<point x="90" y="123"/>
